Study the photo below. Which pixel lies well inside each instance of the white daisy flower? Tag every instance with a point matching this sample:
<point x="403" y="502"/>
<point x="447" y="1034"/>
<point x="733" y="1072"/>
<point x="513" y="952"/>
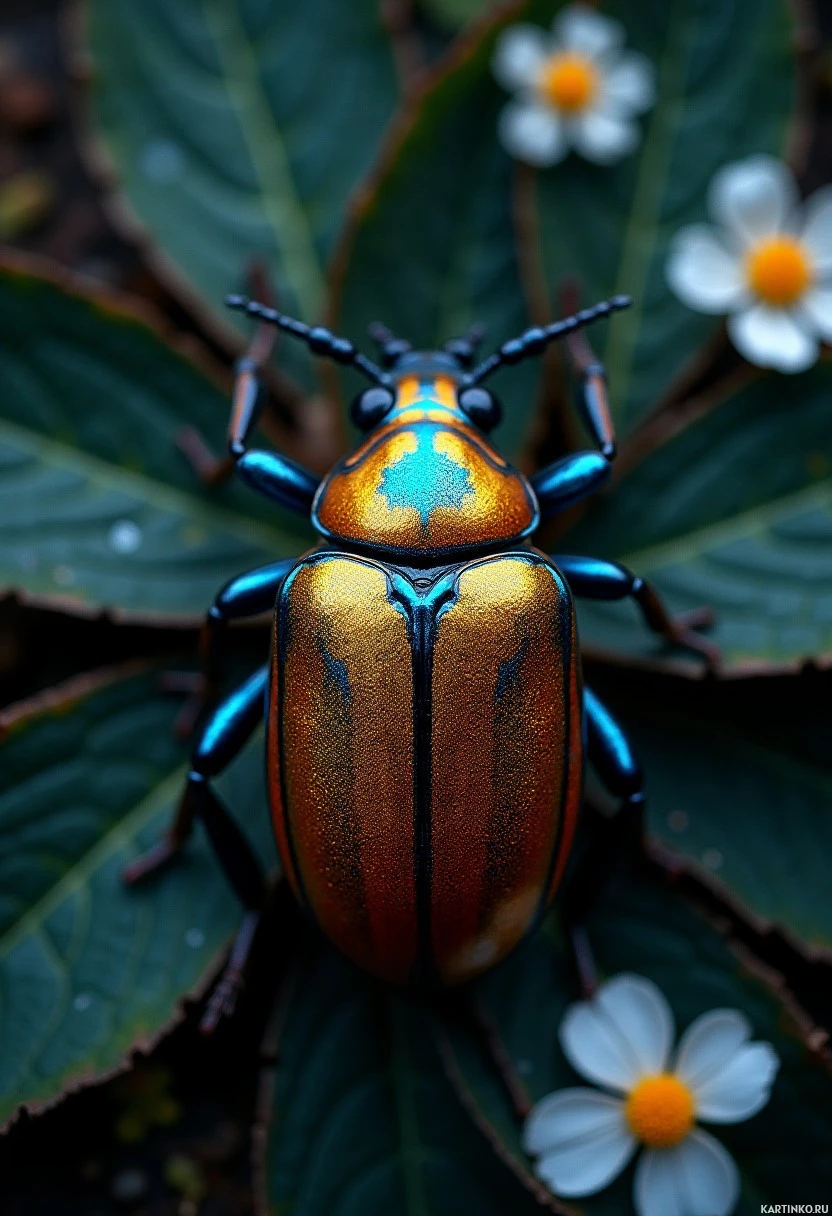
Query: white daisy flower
<point x="622" y="1040"/>
<point x="768" y="265"/>
<point x="575" y="88"/>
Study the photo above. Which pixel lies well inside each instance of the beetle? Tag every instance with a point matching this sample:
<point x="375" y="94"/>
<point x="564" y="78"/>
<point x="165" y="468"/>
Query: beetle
<point x="426" y="723"/>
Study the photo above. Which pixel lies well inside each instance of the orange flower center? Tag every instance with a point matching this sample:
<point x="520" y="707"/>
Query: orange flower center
<point x="778" y="270"/>
<point x="568" y="82"/>
<point x="660" y="1111"/>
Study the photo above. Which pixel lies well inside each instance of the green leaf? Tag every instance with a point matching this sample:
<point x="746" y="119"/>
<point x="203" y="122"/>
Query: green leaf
<point x="726" y="80"/>
<point x="433" y="249"/>
<point x="360" y="1118"/>
<point x="453" y="14"/>
<point x="782" y="1152"/>
<point x="89" y="969"/>
<point x="744" y="813"/>
<point x="238" y="131"/>
<point x="98" y="506"/>
<point x="735" y="511"/>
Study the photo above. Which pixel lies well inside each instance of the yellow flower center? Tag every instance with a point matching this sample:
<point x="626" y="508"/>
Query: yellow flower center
<point x="778" y="270"/>
<point x="660" y="1110"/>
<point x="568" y="82"/>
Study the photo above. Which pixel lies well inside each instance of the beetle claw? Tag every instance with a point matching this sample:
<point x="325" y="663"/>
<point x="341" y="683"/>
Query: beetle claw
<point x="685" y="635"/>
<point x="161" y="854"/>
<point x="199" y="693"/>
<point x="223" y="1000"/>
<point x="696" y="618"/>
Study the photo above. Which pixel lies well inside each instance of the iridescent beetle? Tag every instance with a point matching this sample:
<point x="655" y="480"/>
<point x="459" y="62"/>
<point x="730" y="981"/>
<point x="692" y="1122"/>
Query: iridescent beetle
<point x="426" y="723"/>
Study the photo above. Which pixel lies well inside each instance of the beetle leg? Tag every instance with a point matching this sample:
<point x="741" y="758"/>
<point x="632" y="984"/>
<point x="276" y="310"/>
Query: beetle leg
<point x="567" y="481"/>
<point x="594" y="403"/>
<point x="610" y="753"/>
<point x="604" y="580"/>
<point x="278" y="478"/>
<point x="247" y="595"/>
<point x="222" y="738"/>
<point x="275" y="476"/>
<point x="225" y="733"/>
<point x="612" y="757"/>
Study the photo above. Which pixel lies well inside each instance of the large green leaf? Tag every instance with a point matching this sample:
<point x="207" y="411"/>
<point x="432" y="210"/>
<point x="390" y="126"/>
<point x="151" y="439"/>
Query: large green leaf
<point x="782" y="1152"/>
<point x="88" y="968"/>
<point x="238" y="130"/>
<point x="736" y="512"/>
<point x="726" y="88"/>
<point x="433" y="247"/>
<point x="361" y="1120"/>
<point x="98" y="506"/>
<point x="747" y="812"/>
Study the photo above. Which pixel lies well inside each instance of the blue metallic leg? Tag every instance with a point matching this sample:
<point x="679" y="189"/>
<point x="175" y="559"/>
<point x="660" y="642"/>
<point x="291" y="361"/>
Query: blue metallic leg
<point x="567" y="481"/>
<point x="593" y="399"/>
<point x="604" y="580"/>
<point x="275" y="476"/>
<point x="279" y="479"/>
<point x="224" y="735"/>
<point x="610" y="753"/>
<point x="613" y="841"/>
<point x="247" y="595"/>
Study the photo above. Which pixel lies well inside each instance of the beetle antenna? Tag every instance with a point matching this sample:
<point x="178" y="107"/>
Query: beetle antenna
<point x="390" y="347"/>
<point x="534" y="341"/>
<point x="320" y="341"/>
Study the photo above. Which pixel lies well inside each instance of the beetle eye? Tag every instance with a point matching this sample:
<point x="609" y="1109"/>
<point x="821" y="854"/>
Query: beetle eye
<point x="482" y="407"/>
<point x="369" y="407"/>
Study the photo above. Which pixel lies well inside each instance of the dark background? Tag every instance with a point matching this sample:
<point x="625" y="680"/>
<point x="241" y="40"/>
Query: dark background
<point x="78" y="1158"/>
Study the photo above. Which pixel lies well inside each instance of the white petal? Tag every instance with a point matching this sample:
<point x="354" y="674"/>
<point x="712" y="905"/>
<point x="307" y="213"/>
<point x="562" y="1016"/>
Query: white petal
<point x="697" y="1178"/>
<point x="624" y="1033"/>
<point x="655" y="1190"/>
<point x="703" y="274"/>
<point x="740" y="1088"/>
<point x="570" y="1115"/>
<point x="582" y="29"/>
<point x="643" y="1017"/>
<point x="582" y="1138"/>
<point x="753" y="198"/>
<point x="817" y="228"/>
<point x="602" y="136"/>
<point x="631" y="83"/>
<point x="519" y="55"/>
<point x="771" y="337"/>
<point x="709" y="1043"/>
<point x="532" y="133"/>
<point x="816" y="309"/>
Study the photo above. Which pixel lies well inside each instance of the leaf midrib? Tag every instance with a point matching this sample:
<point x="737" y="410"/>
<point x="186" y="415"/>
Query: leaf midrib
<point x="156" y="493"/>
<point x="122" y="833"/>
<point x="737" y="527"/>
<point x="281" y="201"/>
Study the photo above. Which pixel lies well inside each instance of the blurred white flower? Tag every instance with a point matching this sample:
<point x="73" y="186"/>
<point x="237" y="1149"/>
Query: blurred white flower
<point x="768" y="265"/>
<point x="575" y="88"/>
<point x="622" y="1040"/>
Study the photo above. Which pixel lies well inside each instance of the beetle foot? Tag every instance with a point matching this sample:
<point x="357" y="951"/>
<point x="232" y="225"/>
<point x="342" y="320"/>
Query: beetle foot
<point x="685" y="632"/>
<point x="583" y="960"/>
<point x="160" y="855"/>
<point x="200" y="695"/>
<point x="210" y="469"/>
<point x="223" y="1000"/>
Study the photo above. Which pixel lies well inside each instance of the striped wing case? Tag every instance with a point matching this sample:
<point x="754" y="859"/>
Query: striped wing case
<point x="426" y="755"/>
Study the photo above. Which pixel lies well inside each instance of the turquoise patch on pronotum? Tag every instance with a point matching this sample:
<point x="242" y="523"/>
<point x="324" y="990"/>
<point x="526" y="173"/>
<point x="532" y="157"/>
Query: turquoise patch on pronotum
<point x="425" y="479"/>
